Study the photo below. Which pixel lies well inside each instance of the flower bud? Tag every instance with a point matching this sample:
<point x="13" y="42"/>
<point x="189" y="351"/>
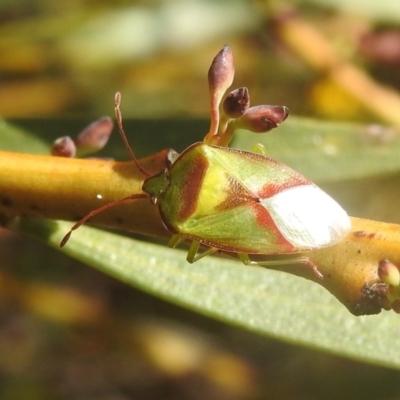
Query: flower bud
<point x="222" y="71"/>
<point x="95" y="136"/>
<point x="237" y="102"/>
<point x="260" y="119"/>
<point x="220" y="77"/>
<point x="63" y="147"/>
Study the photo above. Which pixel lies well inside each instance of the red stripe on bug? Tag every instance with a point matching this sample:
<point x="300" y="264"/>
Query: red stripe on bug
<point x="272" y="188"/>
<point x="193" y="180"/>
<point x="265" y="220"/>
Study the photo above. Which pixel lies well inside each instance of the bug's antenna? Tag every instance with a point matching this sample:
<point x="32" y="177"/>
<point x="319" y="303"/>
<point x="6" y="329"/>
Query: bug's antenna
<point x="119" y="201"/>
<point x="118" y="115"/>
<point x="98" y="211"/>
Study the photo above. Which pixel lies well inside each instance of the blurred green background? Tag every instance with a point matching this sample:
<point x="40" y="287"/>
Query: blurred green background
<point x="69" y="332"/>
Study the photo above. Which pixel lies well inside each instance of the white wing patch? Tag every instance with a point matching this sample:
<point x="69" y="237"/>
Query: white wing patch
<point x="307" y="217"/>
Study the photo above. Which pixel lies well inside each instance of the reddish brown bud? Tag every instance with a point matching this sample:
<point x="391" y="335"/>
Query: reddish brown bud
<point x="222" y="71"/>
<point x="220" y="77"/>
<point x="237" y="102"/>
<point x="95" y="136"/>
<point x="63" y="147"/>
<point x="276" y="114"/>
<point x="260" y="119"/>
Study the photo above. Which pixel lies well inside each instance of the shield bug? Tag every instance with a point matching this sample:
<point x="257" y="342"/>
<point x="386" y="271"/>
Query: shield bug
<point x="237" y="201"/>
<point x="245" y="203"/>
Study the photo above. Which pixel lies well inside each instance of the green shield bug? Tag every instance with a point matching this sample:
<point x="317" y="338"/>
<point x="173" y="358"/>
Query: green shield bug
<point x="236" y="201"/>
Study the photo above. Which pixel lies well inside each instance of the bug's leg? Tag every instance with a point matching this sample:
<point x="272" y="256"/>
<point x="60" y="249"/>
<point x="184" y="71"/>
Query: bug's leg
<point x="311" y="265"/>
<point x="193" y="256"/>
<point x="245" y="259"/>
<point x="259" y="148"/>
<point x="175" y="241"/>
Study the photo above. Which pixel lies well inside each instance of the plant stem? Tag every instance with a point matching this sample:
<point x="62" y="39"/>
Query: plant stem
<point x="350" y="268"/>
<point x="63" y="188"/>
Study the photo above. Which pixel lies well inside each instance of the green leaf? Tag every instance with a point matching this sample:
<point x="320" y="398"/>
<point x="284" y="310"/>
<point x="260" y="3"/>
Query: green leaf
<point x="13" y="138"/>
<point x="268" y="302"/>
<point x="323" y="151"/>
<point x="329" y="151"/>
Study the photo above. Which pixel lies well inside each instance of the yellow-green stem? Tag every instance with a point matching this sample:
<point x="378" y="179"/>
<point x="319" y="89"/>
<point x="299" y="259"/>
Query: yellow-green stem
<point x="350" y="268"/>
<point x="63" y="188"/>
<point x="68" y="189"/>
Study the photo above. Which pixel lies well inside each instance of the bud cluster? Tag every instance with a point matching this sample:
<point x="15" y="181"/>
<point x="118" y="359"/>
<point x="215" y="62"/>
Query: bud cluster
<point x="234" y="112"/>
<point x="93" y="138"/>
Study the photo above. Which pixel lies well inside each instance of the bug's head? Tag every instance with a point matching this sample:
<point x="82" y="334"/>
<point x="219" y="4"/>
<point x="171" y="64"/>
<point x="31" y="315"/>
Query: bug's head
<point x="156" y="185"/>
